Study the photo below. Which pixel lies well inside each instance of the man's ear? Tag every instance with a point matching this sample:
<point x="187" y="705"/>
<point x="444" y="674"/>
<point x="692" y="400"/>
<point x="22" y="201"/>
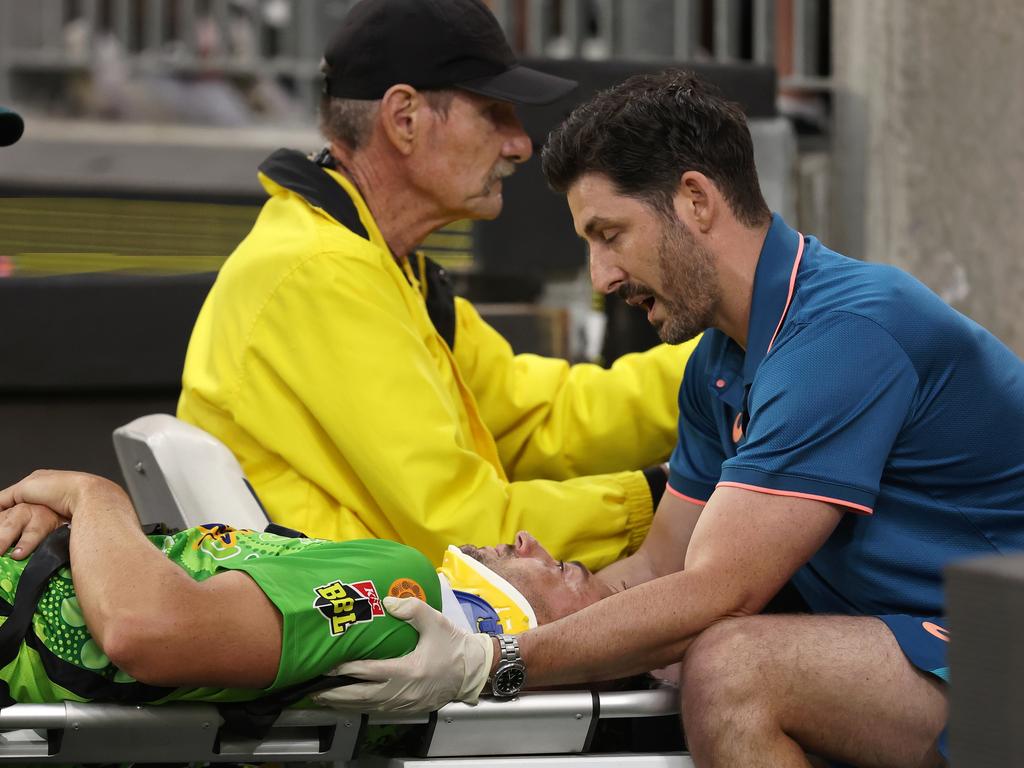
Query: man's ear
<point x="697" y="201"/>
<point x="402" y="110"/>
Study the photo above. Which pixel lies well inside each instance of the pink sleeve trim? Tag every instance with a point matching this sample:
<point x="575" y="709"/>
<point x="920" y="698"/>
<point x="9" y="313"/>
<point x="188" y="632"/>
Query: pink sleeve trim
<point x="684" y="497"/>
<point x="774" y="492"/>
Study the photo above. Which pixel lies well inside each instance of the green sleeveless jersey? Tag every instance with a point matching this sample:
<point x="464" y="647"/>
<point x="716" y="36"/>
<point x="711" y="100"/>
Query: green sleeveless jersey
<point x="329" y="595"/>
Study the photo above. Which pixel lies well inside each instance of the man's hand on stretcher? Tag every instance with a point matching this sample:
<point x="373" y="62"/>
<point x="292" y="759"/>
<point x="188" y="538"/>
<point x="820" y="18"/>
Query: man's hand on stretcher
<point x="448" y="664"/>
<point x="32" y="508"/>
<point x="25" y="516"/>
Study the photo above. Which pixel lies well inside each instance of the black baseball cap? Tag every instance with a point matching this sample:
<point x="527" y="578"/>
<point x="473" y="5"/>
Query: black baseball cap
<point x="431" y="44"/>
<point x="11" y="127"/>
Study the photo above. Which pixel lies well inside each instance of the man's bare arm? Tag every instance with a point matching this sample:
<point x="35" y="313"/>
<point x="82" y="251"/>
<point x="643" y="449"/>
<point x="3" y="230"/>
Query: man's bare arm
<point x="664" y="549"/>
<point x="744" y="547"/>
<point x="150" y="617"/>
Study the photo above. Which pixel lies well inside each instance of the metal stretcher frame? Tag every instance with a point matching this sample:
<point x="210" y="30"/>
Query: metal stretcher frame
<point x="179" y="475"/>
<point x="540" y="728"/>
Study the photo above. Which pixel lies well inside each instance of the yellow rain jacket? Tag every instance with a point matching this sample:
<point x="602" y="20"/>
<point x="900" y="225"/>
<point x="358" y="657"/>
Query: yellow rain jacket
<point x="315" y="360"/>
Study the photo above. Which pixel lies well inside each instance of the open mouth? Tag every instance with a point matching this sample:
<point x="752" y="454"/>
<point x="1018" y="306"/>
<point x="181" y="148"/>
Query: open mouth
<point x="644" y="302"/>
<point x="636" y="298"/>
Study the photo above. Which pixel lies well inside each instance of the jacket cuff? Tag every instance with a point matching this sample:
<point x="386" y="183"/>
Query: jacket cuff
<point x="639" y="509"/>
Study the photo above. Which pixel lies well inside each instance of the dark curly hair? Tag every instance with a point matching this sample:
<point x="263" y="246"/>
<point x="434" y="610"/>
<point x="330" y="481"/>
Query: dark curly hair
<point x="644" y="133"/>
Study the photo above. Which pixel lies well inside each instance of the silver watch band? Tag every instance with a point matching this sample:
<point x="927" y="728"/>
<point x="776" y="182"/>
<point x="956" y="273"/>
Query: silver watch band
<point x="508" y="646"/>
<point x="510" y="675"/>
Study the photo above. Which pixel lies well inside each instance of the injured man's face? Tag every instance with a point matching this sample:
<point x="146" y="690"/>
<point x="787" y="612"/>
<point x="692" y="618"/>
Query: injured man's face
<point x="554" y="588"/>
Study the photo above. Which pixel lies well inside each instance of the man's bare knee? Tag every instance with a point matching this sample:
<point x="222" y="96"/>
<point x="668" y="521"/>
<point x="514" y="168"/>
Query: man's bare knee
<point x="720" y="670"/>
<point x="712" y="657"/>
<point x="725" y="705"/>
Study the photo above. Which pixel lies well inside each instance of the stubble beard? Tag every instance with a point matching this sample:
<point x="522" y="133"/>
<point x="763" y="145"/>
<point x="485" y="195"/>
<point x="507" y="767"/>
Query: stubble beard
<point x="690" y="291"/>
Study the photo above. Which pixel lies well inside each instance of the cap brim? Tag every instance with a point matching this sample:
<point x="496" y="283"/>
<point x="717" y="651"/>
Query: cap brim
<point x="11" y="127"/>
<point x="521" y="85"/>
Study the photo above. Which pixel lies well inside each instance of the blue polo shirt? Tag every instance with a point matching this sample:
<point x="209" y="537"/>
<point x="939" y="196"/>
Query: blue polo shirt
<point x="861" y="387"/>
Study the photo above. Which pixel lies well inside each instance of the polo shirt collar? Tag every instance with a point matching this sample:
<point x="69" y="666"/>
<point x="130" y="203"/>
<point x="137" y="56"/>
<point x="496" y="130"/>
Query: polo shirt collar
<point x="774" y="283"/>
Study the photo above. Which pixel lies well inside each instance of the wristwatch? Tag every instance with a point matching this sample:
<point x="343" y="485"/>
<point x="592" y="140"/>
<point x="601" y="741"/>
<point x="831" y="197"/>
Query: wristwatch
<point x="510" y="676"/>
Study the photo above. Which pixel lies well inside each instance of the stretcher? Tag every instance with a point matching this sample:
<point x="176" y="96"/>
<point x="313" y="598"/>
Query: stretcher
<point x="181" y="476"/>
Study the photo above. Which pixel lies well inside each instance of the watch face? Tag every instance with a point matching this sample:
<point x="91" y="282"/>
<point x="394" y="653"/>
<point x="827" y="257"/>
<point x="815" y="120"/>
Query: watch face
<point x="509" y="680"/>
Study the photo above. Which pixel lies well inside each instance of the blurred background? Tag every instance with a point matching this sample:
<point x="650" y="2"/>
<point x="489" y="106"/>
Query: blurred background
<point x="887" y="128"/>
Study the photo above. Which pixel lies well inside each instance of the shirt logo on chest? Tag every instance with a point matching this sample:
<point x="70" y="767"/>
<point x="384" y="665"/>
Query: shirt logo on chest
<point x="737" y="428"/>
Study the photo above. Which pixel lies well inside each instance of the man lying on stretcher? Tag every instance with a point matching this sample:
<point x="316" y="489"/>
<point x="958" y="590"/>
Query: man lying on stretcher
<point x="217" y="614"/>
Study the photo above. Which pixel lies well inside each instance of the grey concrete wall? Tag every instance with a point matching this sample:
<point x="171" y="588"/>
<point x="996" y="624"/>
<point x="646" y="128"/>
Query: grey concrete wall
<point x="68" y="155"/>
<point x="929" y="147"/>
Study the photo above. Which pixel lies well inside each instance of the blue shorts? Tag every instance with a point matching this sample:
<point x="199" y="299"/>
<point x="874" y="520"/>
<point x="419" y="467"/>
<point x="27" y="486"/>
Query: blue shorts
<point x="924" y="640"/>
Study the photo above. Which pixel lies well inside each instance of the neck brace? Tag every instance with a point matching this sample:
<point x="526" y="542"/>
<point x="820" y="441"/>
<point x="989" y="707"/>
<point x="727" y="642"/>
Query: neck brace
<point x="481" y="600"/>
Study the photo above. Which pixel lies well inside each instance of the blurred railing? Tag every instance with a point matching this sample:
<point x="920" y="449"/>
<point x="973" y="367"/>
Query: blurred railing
<point x="790" y="33"/>
<point x="282" y="40"/>
<point x="232" y="39"/>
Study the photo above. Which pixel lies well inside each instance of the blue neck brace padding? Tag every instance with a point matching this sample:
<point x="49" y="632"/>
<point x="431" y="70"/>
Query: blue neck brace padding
<point x="481" y="616"/>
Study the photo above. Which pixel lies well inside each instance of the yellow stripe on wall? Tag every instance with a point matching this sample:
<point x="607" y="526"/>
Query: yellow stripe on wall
<point x="68" y="235"/>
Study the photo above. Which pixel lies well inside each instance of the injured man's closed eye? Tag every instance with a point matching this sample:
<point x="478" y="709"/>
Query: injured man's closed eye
<point x="217" y="614"/>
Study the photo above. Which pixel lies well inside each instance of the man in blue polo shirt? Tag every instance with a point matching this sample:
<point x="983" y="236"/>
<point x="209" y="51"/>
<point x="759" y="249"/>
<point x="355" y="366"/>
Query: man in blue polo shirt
<point x="841" y="428"/>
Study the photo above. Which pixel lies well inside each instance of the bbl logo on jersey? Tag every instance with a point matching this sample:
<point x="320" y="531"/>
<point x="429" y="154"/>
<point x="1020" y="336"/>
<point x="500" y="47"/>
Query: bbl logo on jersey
<point x="346" y="604"/>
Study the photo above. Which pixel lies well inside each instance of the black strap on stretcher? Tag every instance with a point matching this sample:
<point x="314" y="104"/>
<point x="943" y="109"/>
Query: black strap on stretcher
<point x="250" y="719"/>
<point x="52" y="555"/>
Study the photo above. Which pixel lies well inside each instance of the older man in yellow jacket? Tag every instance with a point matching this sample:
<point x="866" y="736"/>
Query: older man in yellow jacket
<point x="362" y="398"/>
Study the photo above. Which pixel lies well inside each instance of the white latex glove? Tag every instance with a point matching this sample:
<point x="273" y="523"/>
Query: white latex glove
<point x="448" y="664"/>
